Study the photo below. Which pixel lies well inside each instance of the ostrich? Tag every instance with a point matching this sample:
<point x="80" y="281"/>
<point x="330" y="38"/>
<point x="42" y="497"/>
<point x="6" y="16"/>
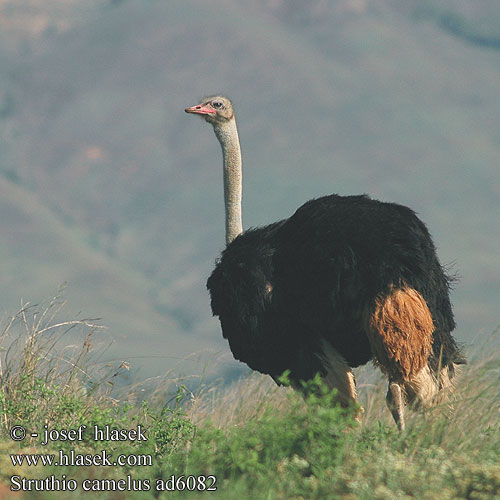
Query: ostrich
<point x="344" y="280"/>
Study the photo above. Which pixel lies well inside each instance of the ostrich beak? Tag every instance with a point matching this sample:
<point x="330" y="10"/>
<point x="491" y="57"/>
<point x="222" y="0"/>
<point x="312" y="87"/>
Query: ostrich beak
<point x="200" y="110"/>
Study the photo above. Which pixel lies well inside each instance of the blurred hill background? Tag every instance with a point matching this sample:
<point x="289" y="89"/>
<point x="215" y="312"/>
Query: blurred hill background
<point x="106" y="185"/>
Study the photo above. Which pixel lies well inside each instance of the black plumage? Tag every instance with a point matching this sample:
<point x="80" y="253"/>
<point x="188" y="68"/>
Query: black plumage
<point x="281" y="289"/>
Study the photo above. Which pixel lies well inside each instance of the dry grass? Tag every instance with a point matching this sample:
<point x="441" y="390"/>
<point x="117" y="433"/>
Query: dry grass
<point x="43" y="356"/>
<point x="234" y="405"/>
<point x="474" y="404"/>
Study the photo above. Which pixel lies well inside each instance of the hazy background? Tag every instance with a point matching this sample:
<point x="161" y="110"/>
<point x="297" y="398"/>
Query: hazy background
<point x="106" y="184"/>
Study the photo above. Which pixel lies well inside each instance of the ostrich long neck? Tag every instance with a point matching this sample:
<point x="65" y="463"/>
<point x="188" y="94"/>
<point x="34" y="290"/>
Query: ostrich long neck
<point x="227" y="134"/>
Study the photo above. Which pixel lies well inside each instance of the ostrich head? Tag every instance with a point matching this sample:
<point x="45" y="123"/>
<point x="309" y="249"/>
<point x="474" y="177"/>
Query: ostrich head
<point x="216" y="110"/>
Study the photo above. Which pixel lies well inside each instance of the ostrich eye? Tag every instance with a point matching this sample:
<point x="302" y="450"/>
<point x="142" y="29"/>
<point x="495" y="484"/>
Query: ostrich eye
<point x="217" y="104"/>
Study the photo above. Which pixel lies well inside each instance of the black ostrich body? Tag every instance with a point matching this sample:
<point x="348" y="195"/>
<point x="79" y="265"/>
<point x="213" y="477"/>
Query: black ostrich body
<point x="281" y="289"/>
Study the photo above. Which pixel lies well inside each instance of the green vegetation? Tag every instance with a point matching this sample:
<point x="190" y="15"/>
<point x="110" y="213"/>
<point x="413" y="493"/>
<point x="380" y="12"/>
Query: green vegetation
<point x="258" y="441"/>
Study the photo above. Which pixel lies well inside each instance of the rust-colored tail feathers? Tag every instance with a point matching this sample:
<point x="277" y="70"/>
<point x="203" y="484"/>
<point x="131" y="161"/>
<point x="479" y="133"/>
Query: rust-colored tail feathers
<point x="400" y="329"/>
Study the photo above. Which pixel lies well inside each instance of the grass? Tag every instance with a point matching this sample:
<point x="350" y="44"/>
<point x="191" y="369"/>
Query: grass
<point x="255" y="440"/>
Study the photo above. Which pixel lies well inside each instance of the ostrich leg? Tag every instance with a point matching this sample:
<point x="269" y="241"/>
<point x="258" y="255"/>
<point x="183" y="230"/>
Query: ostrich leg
<point x="340" y="376"/>
<point x="395" y="404"/>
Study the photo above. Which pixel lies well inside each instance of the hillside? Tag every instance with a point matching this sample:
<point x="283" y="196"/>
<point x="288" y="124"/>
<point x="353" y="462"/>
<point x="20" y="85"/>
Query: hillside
<point x="108" y="186"/>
